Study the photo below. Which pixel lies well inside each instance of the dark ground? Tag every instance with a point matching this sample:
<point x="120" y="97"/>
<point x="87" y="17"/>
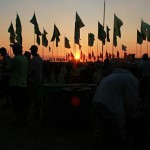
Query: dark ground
<point x="52" y="133"/>
<point x="44" y="134"/>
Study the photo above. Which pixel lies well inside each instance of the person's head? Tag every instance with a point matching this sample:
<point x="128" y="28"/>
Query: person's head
<point x="27" y="54"/>
<point x="17" y="48"/>
<point x="145" y="57"/>
<point x="3" y="51"/>
<point x="34" y="49"/>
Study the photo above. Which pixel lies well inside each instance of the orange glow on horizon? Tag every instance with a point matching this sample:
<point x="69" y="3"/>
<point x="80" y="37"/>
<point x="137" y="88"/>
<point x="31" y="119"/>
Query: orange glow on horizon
<point x="77" y="56"/>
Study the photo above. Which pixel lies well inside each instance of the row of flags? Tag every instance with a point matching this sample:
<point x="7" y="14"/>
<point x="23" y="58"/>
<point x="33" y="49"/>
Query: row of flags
<point x="16" y="35"/>
<point x="144" y="33"/>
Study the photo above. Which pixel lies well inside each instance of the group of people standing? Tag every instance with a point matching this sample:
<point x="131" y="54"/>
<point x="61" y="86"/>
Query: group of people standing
<point x="119" y="105"/>
<point x="22" y="78"/>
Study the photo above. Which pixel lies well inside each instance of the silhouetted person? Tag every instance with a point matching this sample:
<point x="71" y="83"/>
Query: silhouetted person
<point x="144" y="66"/>
<point x="114" y="104"/>
<point x="18" y="84"/>
<point x="106" y="68"/>
<point x="35" y="79"/>
<point x="5" y="74"/>
<point x="28" y="55"/>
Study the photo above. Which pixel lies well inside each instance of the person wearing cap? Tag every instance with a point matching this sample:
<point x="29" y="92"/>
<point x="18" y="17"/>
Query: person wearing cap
<point x="18" y="84"/>
<point x="5" y="74"/>
<point x="35" y="79"/>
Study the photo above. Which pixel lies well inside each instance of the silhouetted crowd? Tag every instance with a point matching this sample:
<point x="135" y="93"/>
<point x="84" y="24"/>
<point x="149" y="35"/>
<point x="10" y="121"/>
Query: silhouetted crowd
<point x="120" y="104"/>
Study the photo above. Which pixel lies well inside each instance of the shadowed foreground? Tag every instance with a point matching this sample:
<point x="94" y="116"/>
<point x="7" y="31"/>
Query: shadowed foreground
<point x="42" y="135"/>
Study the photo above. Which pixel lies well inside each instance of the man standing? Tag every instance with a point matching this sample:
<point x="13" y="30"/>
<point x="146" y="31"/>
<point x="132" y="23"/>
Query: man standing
<point x="35" y="79"/>
<point x="5" y="74"/>
<point x="18" y="84"/>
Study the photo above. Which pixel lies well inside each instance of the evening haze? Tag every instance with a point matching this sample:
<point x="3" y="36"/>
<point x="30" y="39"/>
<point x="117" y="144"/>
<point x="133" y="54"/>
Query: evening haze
<point x="62" y="13"/>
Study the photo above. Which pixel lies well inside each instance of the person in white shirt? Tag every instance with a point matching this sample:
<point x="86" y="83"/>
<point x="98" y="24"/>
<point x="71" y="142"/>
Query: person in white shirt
<point x="115" y="101"/>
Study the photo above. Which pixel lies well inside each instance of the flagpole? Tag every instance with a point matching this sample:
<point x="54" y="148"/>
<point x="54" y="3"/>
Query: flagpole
<point x="113" y="43"/>
<point x="147" y="47"/>
<point x="103" y="26"/>
<point x="57" y="52"/>
<point x="136" y="50"/>
<point x="140" y="51"/>
<point x="64" y="53"/>
<point x="64" y="47"/>
<point x="88" y="53"/>
<point x="75" y="49"/>
<point x="43" y="52"/>
<point x="34" y="38"/>
<point x="97" y="47"/>
<point x="52" y="50"/>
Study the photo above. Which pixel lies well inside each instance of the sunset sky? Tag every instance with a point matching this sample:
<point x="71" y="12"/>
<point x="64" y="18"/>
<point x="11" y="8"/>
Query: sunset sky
<point x="62" y="13"/>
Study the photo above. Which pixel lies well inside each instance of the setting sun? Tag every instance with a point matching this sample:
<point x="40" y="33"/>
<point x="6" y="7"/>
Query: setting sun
<point x="77" y="57"/>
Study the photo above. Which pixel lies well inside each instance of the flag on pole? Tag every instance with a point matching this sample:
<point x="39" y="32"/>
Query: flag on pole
<point x="148" y="34"/>
<point x="71" y="54"/>
<point x="139" y="37"/>
<point x="18" y="30"/>
<point x="56" y="35"/>
<point x="114" y="40"/>
<point x="117" y="25"/>
<point x="124" y="47"/>
<point x="107" y="33"/>
<point x="144" y="28"/>
<point x="92" y="53"/>
<point x="117" y="32"/>
<point x="91" y="38"/>
<point x="101" y="33"/>
<point x="125" y="54"/>
<point x="44" y="39"/>
<point x="12" y="33"/>
<point x="101" y="55"/>
<point x="67" y="45"/>
<point x="106" y="54"/>
<point x="89" y="56"/>
<point x="36" y="26"/>
<point x="118" y="54"/>
<point x="78" y="24"/>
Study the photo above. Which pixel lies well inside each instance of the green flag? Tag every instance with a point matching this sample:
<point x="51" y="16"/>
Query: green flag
<point x="115" y="40"/>
<point x="38" y="39"/>
<point x="117" y="25"/>
<point x="101" y="33"/>
<point x="78" y="24"/>
<point x="36" y="26"/>
<point x="12" y="33"/>
<point x="67" y="45"/>
<point x="148" y="34"/>
<point x="18" y="30"/>
<point x="107" y="33"/>
<point x="139" y="37"/>
<point x="56" y="35"/>
<point x="144" y="28"/>
<point x="124" y="47"/>
<point x="44" y="39"/>
<point x="91" y="38"/>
